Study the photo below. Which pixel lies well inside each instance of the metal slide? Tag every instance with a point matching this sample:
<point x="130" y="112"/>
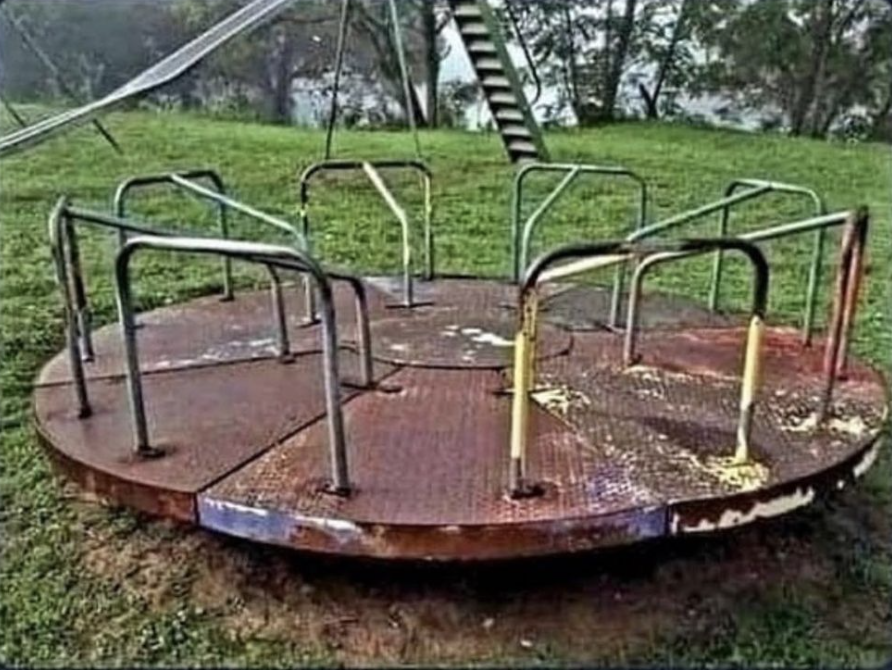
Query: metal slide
<point x="166" y="70"/>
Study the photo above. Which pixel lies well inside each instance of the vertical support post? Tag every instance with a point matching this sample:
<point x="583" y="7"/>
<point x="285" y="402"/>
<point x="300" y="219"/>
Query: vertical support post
<point x="428" y="227"/>
<point x="79" y="293"/>
<point x="309" y="292"/>
<point x="751" y="379"/>
<point x="631" y="335"/>
<point x="814" y="280"/>
<point x="336" y="439"/>
<point x="223" y="224"/>
<point x="400" y="213"/>
<point x="856" y="276"/>
<point x="279" y="315"/>
<point x="404" y="73"/>
<point x="59" y="221"/>
<point x="524" y="371"/>
<point x="619" y="278"/>
<point x="718" y="262"/>
<point x="141" y="446"/>
<point x="363" y="334"/>
<point x="845" y="296"/>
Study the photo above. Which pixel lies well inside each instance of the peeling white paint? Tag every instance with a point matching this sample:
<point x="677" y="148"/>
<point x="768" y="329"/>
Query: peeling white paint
<point x="867" y="460"/>
<point x="759" y="510"/>
<point x="236" y="507"/>
<point x="339" y="526"/>
<point x="492" y="339"/>
<point x="853" y="425"/>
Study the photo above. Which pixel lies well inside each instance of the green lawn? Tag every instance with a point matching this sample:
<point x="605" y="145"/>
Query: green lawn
<point x="90" y="585"/>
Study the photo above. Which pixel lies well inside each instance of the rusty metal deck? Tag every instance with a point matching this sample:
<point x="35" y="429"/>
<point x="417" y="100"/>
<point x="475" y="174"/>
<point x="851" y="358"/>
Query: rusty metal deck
<point x="621" y="454"/>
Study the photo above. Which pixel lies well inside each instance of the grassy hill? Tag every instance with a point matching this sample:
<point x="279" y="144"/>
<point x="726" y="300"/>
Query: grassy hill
<point x="88" y="585"/>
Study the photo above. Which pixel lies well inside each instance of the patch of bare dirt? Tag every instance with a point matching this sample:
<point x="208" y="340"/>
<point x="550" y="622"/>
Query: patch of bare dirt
<point x="611" y="606"/>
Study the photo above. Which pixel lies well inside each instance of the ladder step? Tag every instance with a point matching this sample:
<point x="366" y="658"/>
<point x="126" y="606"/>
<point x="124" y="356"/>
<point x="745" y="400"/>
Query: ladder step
<point x="491" y="64"/>
<point x="501" y="98"/>
<point x="513" y="130"/>
<point x="481" y="47"/>
<point x="473" y="29"/>
<point x="509" y="114"/>
<point x="495" y="81"/>
<point x="467" y="10"/>
<point x="521" y="146"/>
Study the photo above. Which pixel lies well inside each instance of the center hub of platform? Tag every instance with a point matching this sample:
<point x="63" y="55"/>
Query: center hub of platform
<point x="455" y="338"/>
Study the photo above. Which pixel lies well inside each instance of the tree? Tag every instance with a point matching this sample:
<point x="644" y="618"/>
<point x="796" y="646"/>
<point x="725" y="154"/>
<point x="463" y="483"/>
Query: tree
<point x="423" y="22"/>
<point x="264" y="64"/>
<point x="585" y="49"/>
<point x="814" y="61"/>
<point x="96" y="46"/>
<point x="667" y="47"/>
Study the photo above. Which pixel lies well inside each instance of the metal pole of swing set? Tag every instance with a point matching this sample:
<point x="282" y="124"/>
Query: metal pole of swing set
<point x="48" y="63"/>
<point x="18" y="118"/>
<point x="339" y="65"/>
<point x="404" y="73"/>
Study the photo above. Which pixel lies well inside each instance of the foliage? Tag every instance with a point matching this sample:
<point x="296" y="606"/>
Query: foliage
<point x="812" y="62"/>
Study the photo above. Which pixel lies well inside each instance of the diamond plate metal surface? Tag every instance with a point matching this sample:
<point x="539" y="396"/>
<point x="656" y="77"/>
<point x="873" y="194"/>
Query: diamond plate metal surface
<point x="208" y="331"/>
<point x="621" y="454"/>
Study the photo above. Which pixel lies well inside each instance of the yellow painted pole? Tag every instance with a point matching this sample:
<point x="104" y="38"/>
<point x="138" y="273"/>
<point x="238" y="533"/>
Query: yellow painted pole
<point x="524" y="372"/>
<point x="751" y="377"/>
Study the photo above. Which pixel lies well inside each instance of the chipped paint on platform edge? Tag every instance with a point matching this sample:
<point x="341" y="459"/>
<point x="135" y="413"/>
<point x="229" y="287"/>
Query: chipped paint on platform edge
<point x="801" y="496"/>
<point x="268" y="525"/>
<point x="729" y="518"/>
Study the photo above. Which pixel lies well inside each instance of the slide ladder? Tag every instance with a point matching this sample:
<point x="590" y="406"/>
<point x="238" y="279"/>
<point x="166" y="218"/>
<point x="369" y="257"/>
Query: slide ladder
<point x="482" y="37"/>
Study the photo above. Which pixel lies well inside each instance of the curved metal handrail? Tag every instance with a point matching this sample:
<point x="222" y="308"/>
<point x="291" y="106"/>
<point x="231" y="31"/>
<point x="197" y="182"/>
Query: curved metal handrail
<point x="266" y="254"/>
<point x="522" y="233"/>
<point x="64" y="248"/>
<point x="370" y="168"/>
<point x="586" y="257"/>
<point x="755" y="189"/>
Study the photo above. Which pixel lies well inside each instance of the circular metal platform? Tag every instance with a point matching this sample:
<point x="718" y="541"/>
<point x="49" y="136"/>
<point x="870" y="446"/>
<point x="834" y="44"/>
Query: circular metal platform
<point x="621" y="454"/>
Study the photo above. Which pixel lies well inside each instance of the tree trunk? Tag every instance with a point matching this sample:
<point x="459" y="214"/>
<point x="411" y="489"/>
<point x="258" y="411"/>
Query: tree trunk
<point x="881" y="123"/>
<point x="618" y="61"/>
<point x="431" y="60"/>
<point x="282" y="101"/>
<point x="822" y="23"/>
<point x="667" y="62"/>
<point x="380" y="36"/>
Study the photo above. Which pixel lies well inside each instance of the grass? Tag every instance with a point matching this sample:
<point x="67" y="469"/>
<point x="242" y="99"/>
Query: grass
<point x="84" y="584"/>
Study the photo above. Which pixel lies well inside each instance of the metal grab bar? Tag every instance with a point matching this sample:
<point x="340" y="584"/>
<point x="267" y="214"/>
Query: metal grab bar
<point x="522" y="234"/>
<point x="185" y="180"/>
<point x="119" y="208"/>
<point x="756" y="188"/>
<point x="814" y="273"/>
<point x="64" y="248"/>
<point x="819" y="223"/>
<point x="66" y="256"/>
<point x="370" y="168"/>
<point x="62" y="232"/>
<point x="267" y="254"/>
<point x="590" y="256"/>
